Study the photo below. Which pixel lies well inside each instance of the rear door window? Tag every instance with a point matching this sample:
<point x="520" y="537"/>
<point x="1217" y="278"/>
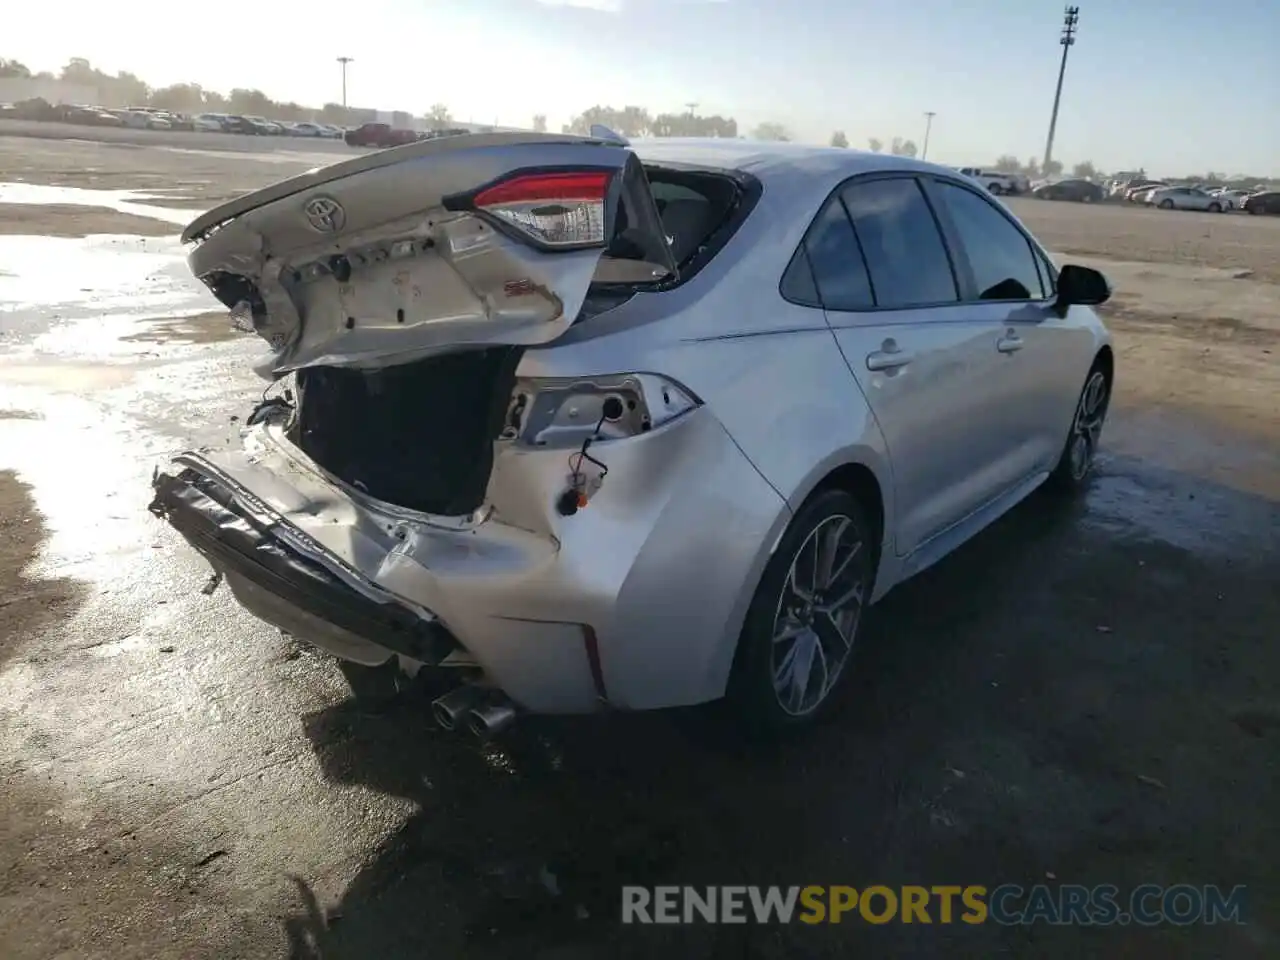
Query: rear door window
<point x="999" y="254"/>
<point x="906" y="258"/>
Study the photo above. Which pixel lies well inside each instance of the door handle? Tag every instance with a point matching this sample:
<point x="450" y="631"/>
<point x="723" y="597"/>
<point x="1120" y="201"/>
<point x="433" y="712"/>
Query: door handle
<point x="1009" y="343"/>
<point x="888" y="359"/>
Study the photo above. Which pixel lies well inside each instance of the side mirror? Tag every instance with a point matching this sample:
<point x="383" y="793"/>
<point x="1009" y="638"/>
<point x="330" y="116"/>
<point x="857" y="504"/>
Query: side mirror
<point x="1081" y="286"/>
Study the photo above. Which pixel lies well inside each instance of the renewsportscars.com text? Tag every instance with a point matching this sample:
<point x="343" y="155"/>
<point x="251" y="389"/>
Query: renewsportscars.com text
<point x="1009" y="904"/>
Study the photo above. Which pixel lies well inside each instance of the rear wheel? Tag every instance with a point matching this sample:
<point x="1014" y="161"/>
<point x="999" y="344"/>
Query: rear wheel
<point x="1166" y="204"/>
<point x="804" y="618"/>
<point x="1076" y="460"/>
<point x="1215" y="208"/>
<point x="996" y="189"/>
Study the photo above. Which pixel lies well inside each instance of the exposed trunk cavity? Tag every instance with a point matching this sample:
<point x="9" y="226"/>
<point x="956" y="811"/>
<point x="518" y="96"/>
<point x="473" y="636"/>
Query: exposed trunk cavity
<point x="418" y="435"/>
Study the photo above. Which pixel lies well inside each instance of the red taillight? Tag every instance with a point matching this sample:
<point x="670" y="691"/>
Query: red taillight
<point x="561" y="209"/>
<point x="573" y="187"/>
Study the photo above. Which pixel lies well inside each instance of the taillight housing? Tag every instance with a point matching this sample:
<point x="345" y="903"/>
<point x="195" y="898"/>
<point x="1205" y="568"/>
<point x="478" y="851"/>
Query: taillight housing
<point x="560" y="209"/>
<point x="564" y="411"/>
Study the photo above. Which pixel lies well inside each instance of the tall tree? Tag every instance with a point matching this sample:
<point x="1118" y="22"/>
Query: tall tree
<point x="630" y="121"/>
<point x="1085" y="170"/>
<point x="539" y="123"/>
<point x="874" y="145"/>
<point x="770" y="130"/>
<point x="838" y="139"/>
<point x="903" y="148"/>
<point x="438" y="116"/>
<point x="1008" y="163"/>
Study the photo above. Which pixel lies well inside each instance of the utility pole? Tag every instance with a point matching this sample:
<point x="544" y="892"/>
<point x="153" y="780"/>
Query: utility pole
<point x="928" y="125"/>
<point x="1070" y="17"/>
<point x="344" y="61"/>
<point x="692" y="105"/>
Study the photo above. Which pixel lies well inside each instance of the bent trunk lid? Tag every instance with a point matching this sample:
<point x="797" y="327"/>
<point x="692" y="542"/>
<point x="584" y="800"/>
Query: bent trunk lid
<point x="387" y="258"/>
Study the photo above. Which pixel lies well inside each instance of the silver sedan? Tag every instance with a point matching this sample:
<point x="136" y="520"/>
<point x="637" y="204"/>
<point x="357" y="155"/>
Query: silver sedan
<point x="579" y="424"/>
<point x="1184" y="198"/>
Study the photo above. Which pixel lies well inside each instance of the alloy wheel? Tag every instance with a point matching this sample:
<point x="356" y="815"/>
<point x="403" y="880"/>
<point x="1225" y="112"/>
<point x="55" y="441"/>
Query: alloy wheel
<point x="1087" y="428"/>
<point x="817" y="615"/>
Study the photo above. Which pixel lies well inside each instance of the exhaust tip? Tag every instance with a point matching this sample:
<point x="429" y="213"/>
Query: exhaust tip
<point x="488" y="721"/>
<point x="450" y="710"/>
<point x="443" y="718"/>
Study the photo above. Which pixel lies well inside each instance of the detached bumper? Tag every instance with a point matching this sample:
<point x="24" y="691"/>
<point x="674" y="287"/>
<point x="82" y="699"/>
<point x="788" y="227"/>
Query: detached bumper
<point x="278" y="584"/>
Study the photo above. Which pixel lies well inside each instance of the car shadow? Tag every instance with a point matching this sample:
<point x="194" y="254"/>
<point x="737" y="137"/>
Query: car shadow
<point x="1065" y="697"/>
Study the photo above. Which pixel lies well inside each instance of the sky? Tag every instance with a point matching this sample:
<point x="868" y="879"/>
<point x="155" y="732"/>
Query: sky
<point x="1176" y="87"/>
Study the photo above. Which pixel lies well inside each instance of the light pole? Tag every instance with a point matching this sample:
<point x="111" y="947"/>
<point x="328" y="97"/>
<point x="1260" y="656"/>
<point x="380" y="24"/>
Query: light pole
<point x="928" y="125"/>
<point x="344" y="61"/>
<point x="1070" y="17"/>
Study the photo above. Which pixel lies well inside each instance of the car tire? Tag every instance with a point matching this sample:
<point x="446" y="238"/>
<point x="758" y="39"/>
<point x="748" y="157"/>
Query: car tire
<point x="1166" y="204"/>
<point x="788" y="632"/>
<point x="372" y="686"/>
<point x="1076" y="461"/>
<point x="1086" y="198"/>
<point x="1215" y="208"/>
<point x="995" y="189"/>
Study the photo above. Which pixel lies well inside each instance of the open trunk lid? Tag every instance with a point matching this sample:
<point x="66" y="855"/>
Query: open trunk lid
<point x="458" y="242"/>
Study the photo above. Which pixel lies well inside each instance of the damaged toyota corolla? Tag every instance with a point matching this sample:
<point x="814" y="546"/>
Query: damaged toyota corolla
<point x="597" y="425"/>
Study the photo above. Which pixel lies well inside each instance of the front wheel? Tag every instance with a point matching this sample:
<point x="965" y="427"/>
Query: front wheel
<point x="1166" y="204"/>
<point x="1076" y="460"/>
<point x="1215" y="208"/>
<point x="803" y="621"/>
<point x="996" y="189"/>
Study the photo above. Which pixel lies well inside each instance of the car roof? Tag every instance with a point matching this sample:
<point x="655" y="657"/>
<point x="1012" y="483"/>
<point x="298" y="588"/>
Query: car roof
<point x="794" y="173"/>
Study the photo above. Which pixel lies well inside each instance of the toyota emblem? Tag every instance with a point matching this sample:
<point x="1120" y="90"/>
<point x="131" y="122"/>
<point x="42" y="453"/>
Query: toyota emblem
<point x="325" y="214"/>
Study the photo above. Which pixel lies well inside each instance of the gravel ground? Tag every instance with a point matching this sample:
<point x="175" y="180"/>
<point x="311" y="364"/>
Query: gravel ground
<point x="1087" y="693"/>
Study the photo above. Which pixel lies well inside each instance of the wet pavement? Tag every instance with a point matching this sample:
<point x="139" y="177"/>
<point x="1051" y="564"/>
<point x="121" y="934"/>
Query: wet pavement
<point x="1087" y="693"/>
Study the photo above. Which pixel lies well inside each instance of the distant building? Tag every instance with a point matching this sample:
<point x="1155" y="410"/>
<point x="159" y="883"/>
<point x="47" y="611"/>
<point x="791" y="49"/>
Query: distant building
<point x="15" y="89"/>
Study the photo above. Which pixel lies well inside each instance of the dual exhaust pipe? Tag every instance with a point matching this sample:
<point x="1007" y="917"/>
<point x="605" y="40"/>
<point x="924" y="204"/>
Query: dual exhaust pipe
<point x="484" y="713"/>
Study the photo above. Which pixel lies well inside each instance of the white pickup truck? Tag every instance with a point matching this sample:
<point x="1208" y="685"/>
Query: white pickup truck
<point x="997" y="183"/>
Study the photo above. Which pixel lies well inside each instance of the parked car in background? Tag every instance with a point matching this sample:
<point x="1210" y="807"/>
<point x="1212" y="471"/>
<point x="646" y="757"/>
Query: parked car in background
<point x="209" y="122"/>
<point x="332" y="130"/>
<point x="304" y="129"/>
<point x="180" y="121"/>
<point x="90" y="116"/>
<point x="36" y="108"/>
<point x="1182" y="198"/>
<point x="1132" y="191"/>
<point x="1231" y="198"/>
<point x="1268" y="201"/>
<point x="143" y="120"/>
<point x="263" y="126"/>
<point x="234" y="123"/>
<point x="368" y="135"/>
<point x="434" y="496"/>
<point x="1078" y="190"/>
<point x="998" y="183"/>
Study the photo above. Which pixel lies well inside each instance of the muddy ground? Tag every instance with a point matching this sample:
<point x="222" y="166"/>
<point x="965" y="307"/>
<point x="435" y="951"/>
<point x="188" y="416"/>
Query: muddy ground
<point x="1087" y="693"/>
<point x="73" y="220"/>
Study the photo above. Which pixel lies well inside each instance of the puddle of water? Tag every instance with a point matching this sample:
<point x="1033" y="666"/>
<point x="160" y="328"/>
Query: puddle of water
<point x="106" y="279"/>
<point x="123" y="201"/>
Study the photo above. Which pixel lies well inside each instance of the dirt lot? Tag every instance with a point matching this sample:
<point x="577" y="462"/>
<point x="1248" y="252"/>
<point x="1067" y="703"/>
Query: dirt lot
<point x="70" y="220"/>
<point x="1088" y="693"/>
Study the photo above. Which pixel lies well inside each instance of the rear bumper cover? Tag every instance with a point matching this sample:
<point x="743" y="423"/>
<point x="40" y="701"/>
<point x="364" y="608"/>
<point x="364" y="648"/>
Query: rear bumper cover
<point x="278" y="583"/>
